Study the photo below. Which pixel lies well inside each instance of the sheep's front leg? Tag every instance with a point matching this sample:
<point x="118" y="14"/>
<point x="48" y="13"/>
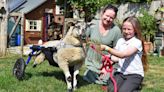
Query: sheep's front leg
<point x="76" y="72"/>
<point x="68" y="76"/>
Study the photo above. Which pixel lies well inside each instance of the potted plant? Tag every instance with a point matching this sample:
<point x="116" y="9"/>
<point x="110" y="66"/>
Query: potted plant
<point x="148" y="27"/>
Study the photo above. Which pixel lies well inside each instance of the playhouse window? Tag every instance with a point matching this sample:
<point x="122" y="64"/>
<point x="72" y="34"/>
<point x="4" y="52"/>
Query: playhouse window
<point x="33" y="25"/>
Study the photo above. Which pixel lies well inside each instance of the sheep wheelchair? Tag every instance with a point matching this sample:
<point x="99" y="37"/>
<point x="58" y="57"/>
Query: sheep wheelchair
<point x="20" y="64"/>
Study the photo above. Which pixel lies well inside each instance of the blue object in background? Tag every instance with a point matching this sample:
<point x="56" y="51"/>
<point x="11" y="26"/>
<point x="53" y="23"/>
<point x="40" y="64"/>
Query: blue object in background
<point x="18" y="40"/>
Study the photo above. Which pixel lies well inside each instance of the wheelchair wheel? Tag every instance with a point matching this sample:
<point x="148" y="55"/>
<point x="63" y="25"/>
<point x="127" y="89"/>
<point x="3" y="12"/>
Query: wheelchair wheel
<point x="19" y="69"/>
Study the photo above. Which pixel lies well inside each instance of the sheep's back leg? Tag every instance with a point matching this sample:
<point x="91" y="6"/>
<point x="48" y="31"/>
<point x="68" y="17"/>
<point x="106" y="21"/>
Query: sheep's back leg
<point x="39" y="59"/>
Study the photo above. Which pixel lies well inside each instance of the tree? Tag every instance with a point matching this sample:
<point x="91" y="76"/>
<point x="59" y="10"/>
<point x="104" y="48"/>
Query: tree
<point x="91" y="6"/>
<point x="148" y="25"/>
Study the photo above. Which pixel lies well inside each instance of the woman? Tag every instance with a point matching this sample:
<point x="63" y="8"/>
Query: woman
<point x="130" y="55"/>
<point x="103" y="31"/>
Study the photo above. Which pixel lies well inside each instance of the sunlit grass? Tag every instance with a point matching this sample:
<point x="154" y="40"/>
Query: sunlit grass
<point x="154" y="78"/>
<point x="45" y="78"/>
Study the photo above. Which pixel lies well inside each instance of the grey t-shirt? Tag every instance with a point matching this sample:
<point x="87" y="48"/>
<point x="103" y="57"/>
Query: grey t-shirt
<point x="93" y="59"/>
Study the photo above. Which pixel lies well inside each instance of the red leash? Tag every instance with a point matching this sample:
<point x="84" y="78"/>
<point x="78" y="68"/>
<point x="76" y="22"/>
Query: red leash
<point x="107" y="65"/>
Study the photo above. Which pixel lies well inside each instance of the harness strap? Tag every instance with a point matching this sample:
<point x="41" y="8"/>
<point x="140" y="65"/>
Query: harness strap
<point x="107" y="65"/>
<point x="81" y="43"/>
<point x="62" y="44"/>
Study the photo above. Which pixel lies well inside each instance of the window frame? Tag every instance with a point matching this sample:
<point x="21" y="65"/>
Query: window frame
<point x="33" y="25"/>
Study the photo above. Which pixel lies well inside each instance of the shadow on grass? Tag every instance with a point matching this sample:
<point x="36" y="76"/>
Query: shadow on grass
<point x="27" y="76"/>
<point x="81" y="82"/>
<point x="59" y="75"/>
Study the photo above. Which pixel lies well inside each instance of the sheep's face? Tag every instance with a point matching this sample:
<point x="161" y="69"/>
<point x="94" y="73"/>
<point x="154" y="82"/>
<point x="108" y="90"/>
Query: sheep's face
<point x="78" y="29"/>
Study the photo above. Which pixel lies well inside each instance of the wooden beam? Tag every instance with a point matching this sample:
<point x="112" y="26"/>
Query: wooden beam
<point x="14" y="28"/>
<point x="13" y="14"/>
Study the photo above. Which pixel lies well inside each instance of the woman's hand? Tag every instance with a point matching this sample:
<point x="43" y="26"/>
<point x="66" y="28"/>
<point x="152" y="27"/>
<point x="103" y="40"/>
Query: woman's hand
<point x="103" y="73"/>
<point x="104" y="47"/>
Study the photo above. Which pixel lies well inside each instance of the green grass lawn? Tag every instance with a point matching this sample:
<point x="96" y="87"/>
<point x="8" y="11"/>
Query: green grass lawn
<point x="45" y="78"/>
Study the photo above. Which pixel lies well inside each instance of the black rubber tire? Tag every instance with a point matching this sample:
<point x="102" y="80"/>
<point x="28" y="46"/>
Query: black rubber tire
<point x="19" y="69"/>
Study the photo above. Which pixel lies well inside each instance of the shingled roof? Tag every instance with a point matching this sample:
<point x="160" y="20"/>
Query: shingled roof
<point x="24" y="6"/>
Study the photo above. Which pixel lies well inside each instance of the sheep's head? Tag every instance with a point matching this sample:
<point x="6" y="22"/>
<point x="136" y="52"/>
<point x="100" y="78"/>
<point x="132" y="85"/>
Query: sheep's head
<point x="78" y="28"/>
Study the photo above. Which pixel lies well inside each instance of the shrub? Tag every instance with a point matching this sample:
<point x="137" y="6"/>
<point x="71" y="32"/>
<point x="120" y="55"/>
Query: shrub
<point x="148" y="25"/>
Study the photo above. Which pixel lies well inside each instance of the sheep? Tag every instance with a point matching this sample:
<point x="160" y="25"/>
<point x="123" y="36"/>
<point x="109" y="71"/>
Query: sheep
<point x="69" y="53"/>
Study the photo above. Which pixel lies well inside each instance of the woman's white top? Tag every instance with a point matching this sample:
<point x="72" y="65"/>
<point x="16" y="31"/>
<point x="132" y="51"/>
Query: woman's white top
<point x="133" y="63"/>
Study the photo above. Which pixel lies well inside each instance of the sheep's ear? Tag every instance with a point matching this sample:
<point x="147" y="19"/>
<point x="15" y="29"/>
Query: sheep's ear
<point x="79" y="21"/>
<point x="71" y="23"/>
<point x="89" y="24"/>
<point x="70" y="30"/>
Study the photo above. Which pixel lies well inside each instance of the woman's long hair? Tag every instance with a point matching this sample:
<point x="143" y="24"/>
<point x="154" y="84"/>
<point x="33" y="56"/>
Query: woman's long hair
<point x="136" y="25"/>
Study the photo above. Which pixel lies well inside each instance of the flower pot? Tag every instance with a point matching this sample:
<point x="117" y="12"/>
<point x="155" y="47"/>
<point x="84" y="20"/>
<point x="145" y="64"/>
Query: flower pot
<point x="162" y="52"/>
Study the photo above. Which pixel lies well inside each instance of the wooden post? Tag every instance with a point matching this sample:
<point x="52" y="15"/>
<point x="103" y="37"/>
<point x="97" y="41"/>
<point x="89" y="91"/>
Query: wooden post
<point x="64" y="24"/>
<point x="0" y="33"/>
<point x="22" y="34"/>
<point x="3" y="38"/>
<point x="3" y="30"/>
